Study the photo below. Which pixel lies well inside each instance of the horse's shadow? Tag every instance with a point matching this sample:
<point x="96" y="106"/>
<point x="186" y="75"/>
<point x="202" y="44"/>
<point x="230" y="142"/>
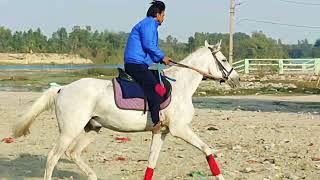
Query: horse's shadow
<point x="28" y="165"/>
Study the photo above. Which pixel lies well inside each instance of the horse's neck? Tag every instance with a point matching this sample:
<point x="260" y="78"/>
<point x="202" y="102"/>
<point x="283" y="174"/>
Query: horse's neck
<point x="188" y="80"/>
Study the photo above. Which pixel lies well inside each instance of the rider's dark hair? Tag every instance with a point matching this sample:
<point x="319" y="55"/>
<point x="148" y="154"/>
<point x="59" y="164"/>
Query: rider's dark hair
<point x="156" y="7"/>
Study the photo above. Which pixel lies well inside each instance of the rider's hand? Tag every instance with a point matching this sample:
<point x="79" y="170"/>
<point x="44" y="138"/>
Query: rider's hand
<point x="166" y="60"/>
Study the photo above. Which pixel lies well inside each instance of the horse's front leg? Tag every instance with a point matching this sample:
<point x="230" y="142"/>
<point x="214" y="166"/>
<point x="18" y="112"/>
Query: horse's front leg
<point x="185" y="132"/>
<point x="156" y="144"/>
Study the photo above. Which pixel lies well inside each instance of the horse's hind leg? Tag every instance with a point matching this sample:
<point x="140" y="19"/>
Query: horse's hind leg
<point x="92" y="126"/>
<point x="69" y="130"/>
<point x="186" y="133"/>
<point x="55" y="154"/>
<point x="74" y="154"/>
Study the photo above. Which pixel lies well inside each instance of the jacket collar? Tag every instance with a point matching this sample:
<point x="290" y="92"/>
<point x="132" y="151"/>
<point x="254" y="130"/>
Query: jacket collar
<point x="157" y="23"/>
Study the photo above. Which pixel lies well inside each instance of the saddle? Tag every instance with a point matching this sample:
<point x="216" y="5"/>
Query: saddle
<point x="128" y="94"/>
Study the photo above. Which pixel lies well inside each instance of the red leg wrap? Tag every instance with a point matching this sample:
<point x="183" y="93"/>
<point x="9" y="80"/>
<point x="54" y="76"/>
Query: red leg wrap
<point x="213" y="165"/>
<point x="149" y="173"/>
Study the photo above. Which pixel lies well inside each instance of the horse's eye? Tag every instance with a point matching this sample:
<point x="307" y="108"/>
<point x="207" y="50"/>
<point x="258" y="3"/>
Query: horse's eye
<point x="224" y="60"/>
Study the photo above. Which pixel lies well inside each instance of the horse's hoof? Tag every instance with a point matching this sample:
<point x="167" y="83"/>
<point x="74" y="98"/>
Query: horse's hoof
<point x="220" y="177"/>
<point x="92" y="177"/>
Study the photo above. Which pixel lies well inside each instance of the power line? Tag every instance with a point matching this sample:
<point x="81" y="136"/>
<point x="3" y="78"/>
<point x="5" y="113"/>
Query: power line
<point x="301" y="3"/>
<point x="286" y="1"/>
<point x="242" y="2"/>
<point x="282" y="24"/>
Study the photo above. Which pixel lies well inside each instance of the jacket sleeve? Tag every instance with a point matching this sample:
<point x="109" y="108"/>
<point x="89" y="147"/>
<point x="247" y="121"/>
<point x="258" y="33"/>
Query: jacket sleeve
<point x="149" y="42"/>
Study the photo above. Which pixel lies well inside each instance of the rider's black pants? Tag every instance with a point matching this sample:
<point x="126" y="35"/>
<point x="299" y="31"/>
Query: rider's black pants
<point x="147" y="81"/>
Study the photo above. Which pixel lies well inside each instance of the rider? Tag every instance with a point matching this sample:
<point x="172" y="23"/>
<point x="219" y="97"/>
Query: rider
<point x="141" y="51"/>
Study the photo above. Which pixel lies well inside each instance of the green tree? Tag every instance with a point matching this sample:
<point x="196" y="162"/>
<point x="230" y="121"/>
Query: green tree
<point x="108" y="47"/>
<point x="317" y="43"/>
<point x="59" y="42"/>
<point x="5" y="40"/>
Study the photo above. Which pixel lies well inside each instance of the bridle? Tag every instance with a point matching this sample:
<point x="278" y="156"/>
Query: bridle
<point x="225" y="73"/>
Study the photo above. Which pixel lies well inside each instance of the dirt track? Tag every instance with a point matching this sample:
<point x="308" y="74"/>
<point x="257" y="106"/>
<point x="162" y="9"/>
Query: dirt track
<point x="257" y="137"/>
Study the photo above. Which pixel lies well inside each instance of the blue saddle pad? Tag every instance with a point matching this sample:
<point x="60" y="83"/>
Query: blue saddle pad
<point x="130" y="89"/>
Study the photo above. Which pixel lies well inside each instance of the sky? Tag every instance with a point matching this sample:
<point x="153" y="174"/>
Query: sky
<point x="183" y="17"/>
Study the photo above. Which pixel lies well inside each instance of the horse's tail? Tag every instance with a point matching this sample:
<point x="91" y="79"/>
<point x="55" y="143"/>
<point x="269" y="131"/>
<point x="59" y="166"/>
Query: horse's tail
<point x="42" y="104"/>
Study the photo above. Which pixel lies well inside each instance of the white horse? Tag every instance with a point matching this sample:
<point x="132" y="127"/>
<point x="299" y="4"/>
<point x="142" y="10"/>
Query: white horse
<point x="80" y="102"/>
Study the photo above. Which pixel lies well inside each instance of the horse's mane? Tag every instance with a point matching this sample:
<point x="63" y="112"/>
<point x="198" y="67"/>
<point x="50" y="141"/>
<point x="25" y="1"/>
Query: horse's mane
<point x="191" y="56"/>
<point x="196" y="53"/>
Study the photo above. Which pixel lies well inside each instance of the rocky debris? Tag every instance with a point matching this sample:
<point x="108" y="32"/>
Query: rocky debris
<point x="247" y="170"/>
<point x="237" y="148"/>
<point x="271" y="161"/>
<point x="202" y="93"/>
<point x="196" y="174"/>
<point x="315" y="159"/>
<point x="269" y="147"/>
<point x="269" y="83"/>
<point x="289" y="77"/>
<point x="212" y="129"/>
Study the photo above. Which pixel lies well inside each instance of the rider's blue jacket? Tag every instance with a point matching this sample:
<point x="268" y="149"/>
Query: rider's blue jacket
<point x="142" y="46"/>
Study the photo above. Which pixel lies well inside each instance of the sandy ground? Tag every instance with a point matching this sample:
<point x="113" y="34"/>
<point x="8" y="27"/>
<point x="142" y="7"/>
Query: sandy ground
<point x="258" y="137"/>
<point x="42" y="58"/>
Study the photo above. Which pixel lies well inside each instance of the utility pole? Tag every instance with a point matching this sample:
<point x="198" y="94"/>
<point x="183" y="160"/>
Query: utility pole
<point x="231" y="30"/>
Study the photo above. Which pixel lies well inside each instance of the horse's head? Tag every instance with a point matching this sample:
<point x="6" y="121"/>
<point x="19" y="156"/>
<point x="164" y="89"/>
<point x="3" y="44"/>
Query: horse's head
<point x="220" y="66"/>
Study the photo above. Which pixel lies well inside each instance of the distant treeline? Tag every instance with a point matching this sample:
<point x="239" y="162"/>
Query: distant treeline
<point x="108" y="47"/>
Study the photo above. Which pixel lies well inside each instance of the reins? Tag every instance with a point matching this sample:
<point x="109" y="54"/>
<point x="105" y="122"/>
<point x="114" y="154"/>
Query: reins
<point x="224" y="72"/>
<point x="197" y="70"/>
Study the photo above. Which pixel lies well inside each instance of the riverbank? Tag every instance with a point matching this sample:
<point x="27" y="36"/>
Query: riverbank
<point x="38" y="80"/>
<point x="41" y="58"/>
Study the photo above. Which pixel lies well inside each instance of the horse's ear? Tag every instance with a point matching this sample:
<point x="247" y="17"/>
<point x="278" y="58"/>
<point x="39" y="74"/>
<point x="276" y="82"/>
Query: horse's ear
<point x="206" y="44"/>
<point x="219" y="45"/>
